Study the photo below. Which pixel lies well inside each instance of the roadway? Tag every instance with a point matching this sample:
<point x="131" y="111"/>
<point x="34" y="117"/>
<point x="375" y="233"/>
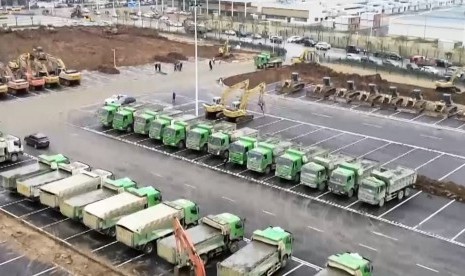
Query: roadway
<point x="322" y="224"/>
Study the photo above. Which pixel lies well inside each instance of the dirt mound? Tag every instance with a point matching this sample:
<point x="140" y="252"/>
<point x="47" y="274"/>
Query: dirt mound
<point x="314" y="73"/>
<point x="108" y="70"/>
<point x="177" y="56"/>
<point x="445" y="189"/>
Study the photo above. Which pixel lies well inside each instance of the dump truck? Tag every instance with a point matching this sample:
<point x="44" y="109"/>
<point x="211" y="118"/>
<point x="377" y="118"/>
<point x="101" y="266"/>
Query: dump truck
<point x="198" y="136"/>
<point x="316" y="173"/>
<point x="267" y="252"/>
<point x="103" y="215"/>
<point x="107" y="112"/>
<point x="73" y="206"/>
<point x="346" y="178"/>
<point x="123" y="119"/>
<point x="175" y="134"/>
<point x="386" y="184"/>
<point x="219" y="142"/>
<point x="238" y="150"/>
<point x="11" y="148"/>
<point x="214" y="236"/>
<point x="267" y="60"/>
<point x="142" y="229"/>
<point x="289" y="165"/>
<point x="30" y="187"/>
<point x="158" y="126"/>
<point x="262" y="159"/>
<point x="42" y="166"/>
<point x="144" y="120"/>
<point x="347" y="264"/>
<point x="52" y="194"/>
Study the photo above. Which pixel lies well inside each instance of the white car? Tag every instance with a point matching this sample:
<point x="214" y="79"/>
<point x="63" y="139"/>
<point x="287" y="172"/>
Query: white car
<point x="164" y="18"/>
<point x="97" y="12"/>
<point x="230" y="32"/>
<point x="85" y="10"/>
<point x="353" y="57"/>
<point x="256" y="36"/>
<point x="149" y="15"/>
<point x="121" y="99"/>
<point x="323" y="46"/>
<point x="293" y="39"/>
<point x="429" y="69"/>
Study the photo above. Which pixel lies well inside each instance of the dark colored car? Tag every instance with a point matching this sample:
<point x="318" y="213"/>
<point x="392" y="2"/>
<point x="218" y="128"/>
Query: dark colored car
<point x="276" y="40"/>
<point x="37" y="140"/>
<point x="351" y="49"/>
<point x="309" y="42"/>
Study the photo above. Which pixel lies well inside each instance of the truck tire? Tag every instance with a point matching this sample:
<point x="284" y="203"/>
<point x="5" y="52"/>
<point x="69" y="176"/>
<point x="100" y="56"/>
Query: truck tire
<point x="205" y="148"/>
<point x="400" y="195"/>
<point x="268" y="170"/>
<point x="226" y="154"/>
<point x="14" y="157"/>
<point x="284" y="261"/>
<point x="148" y="248"/>
<point x="297" y="178"/>
<point x="129" y="129"/>
<point x="111" y="232"/>
<point x="35" y="146"/>
<point x="322" y="186"/>
<point x="181" y="145"/>
<point x="233" y="247"/>
<point x="204" y="258"/>
<point x="407" y="192"/>
<point x="350" y="193"/>
<point x="381" y="202"/>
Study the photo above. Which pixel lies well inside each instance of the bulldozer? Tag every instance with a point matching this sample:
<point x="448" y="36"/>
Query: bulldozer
<point x="307" y="56"/>
<point x="414" y="104"/>
<point x="322" y="91"/>
<point x="237" y="113"/>
<point x="444" y="108"/>
<point x="451" y="84"/>
<point x="372" y="97"/>
<point x="345" y="94"/>
<point x="292" y="85"/>
<point x="225" y="50"/>
<point x="215" y="109"/>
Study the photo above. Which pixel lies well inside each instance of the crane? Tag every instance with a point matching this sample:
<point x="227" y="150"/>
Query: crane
<point x="213" y="110"/>
<point x="450" y="85"/>
<point x="237" y="113"/>
<point x="184" y="243"/>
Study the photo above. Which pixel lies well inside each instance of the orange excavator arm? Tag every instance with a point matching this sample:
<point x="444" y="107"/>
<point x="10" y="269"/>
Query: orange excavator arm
<point x="184" y="244"/>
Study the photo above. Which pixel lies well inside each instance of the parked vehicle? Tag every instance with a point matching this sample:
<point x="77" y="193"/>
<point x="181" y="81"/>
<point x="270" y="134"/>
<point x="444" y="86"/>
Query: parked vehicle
<point x="262" y="159"/>
<point x="309" y="43"/>
<point x="37" y="140"/>
<point x="230" y="32"/>
<point x="198" y="136"/>
<point x="276" y="39"/>
<point x="175" y="135"/>
<point x="347" y="177"/>
<point x="347" y="264"/>
<point x="289" y="165"/>
<point x="10" y="148"/>
<point x="107" y="113"/>
<point x="294" y="39"/>
<point x="353" y="57"/>
<point x="120" y="99"/>
<point x="256" y="36"/>
<point x="267" y="60"/>
<point x="238" y="150"/>
<point x="429" y="69"/>
<point x="323" y="46"/>
<point x="219" y="142"/>
<point x="351" y="49"/>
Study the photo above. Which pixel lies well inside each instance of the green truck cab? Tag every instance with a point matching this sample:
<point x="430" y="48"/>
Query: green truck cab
<point x="220" y="142"/>
<point x="73" y="206"/>
<point x="315" y="174"/>
<point x="262" y="159"/>
<point x="107" y="112"/>
<point x="268" y="251"/>
<point x="289" y="165"/>
<point x="215" y="235"/>
<point x="346" y="178"/>
<point x="267" y="60"/>
<point x="123" y="119"/>
<point x="239" y="149"/>
<point x="144" y="120"/>
<point x="103" y="215"/>
<point x="44" y="165"/>
<point x="347" y="264"/>
<point x="175" y="135"/>
<point x="142" y="229"/>
<point x="198" y="136"/>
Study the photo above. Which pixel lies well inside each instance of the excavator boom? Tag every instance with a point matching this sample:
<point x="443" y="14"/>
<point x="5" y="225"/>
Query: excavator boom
<point x="240" y="114"/>
<point x="184" y="244"/>
<point x="213" y="110"/>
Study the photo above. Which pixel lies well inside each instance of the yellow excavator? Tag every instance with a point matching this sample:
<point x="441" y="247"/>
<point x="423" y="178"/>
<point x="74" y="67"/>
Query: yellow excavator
<point x="51" y="80"/>
<point x="23" y="65"/>
<point x="215" y="109"/>
<point x="14" y="85"/>
<point x="450" y="84"/>
<point x="225" y="50"/>
<point x="237" y="113"/>
<point x="55" y="66"/>
<point x="307" y="56"/>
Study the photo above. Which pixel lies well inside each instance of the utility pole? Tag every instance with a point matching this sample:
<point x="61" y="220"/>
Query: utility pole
<point x="195" y="5"/>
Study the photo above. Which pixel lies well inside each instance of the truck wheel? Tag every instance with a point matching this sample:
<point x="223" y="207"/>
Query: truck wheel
<point x="204" y="258"/>
<point x="322" y="186"/>
<point x="14" y="157"/>
<point x="129" y="129"/>
<point x="350" y="193"/>
<point x="148" y="248"/>
<point x="35" y="146"/>
<point x="407" y="192"/>
<point x="284" y="261"/>
<point x="268" y="170"/>
<point x="233" y="247"/>
<point x="400" y="195"/>
<point x="297" y="178"/>
<point x="226" y="154"/>
<point x="111" y="232"/>
<point x="205" y="148"/>
<point x="181" y="145"/>
<point x="381" y="202"/>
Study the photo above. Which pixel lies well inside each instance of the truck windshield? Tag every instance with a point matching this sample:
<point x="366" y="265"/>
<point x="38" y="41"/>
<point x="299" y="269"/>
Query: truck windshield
<point x="216" y="141"/>
<point x="338" y="178"/>
<point x="103" y="113"/>
<point x="309" y="170"/>
<point x="155" y="126"/>
<point x="255" y="156"/>
<point x="169" y="132"/>
<point x="140" y="120"/>
<point x="234" y="147"/>
<point x="193" y="136"/>
<point x="118" y="117"/>
<point x="369" y="189"/>
<point x="282" y="161"/>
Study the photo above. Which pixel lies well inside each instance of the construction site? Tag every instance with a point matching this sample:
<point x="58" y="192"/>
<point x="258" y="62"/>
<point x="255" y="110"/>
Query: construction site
<point x="249" y="166"/>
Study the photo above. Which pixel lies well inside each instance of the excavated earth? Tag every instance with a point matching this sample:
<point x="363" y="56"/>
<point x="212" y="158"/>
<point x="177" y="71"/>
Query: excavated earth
<point x="90" y="48"/>
<point x="314" y="73"/>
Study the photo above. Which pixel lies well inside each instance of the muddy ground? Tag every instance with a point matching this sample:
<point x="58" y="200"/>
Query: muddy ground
<point x="90" y="47"/>
<point x="38" y="246"/>
<point x="314" y="73"/>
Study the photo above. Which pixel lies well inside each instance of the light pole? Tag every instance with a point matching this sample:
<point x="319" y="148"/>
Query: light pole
<point x="114" y="57"/>
<point x="195" y="5"/>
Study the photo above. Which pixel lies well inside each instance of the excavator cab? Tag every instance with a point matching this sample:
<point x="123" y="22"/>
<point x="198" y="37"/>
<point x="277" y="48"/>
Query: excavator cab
<point x="235" y="105"/>
<point x="216" y="100"/>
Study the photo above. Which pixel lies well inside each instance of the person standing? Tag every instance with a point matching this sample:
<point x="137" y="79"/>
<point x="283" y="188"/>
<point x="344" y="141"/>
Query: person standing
<point x="180" y="66"/>
<point x="210" y="64"/>
<point x="175" y="66"/>
<point x="174" y="98"/>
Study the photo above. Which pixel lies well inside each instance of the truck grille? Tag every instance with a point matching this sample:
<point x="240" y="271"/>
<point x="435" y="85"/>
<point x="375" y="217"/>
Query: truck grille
<point x="308" y="180"/>
<point x="253" y="165"/>
<point x="24" y="190"/>
<point x="283" y="172"/>
<point x="48" y="199"/>
<point x="236" y="158"/>
<point x="192" y="145"/>
<point x="91" y="221"/>
<point x="125" y="236"/>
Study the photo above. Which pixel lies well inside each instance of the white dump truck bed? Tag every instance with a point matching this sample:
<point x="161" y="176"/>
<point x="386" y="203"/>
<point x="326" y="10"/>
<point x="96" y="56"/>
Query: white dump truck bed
<point x="106" y="208"/>
<point x="72" y="207"/>
<point x="10" y="176"/>
<point x="30" y="187"/>
<point x="247" y="258"/>
<point x="146" y="220"/>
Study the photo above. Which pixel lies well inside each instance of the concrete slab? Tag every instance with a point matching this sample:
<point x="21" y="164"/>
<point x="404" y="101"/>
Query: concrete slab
<point x="388" y="153"/>
<point x="91" y="240"/>
<point x="118" y="253"/>
<point x="440" y="167"/>
<point x="362" y="147"/>
<point x="451" y="122"/>
<point x="416" y="209"/>
<point x="448" y="222"/>
<point x="316" y="137"/>
<point x="274" y="127"/>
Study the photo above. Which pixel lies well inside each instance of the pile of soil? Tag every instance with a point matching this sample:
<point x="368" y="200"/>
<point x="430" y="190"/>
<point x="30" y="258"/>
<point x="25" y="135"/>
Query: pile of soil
<point x="87" y="48"/>
<point x="108" y="70"/>
<point x="171" y="57"/>
<point x="314" y="73"/>
<point x="445" y="189"/>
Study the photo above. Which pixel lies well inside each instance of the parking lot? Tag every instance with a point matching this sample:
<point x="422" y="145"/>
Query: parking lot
<point x="420" y="212"/>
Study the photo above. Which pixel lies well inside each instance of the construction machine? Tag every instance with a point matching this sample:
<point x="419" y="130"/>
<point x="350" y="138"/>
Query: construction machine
<point x="307" y="56"/>
<point x="443" y="108"/>
<point x="292" y="85"/>
<point x="77" y="12"/>
<point x="23" y="64"/>
<point x="414" y="104"/>
<point x="371" y="97"/>
<point x="322" y="91"/>
<point x="215" y="109"/>
<point x="185" y="246"/>
<point x="225" y="50"/>
<point x="67" y="77"/>
<point x="267" y="60"/>
<point x="14" y="85"/>
<point x="451" y="84"/>
<point x="237" y="113"/>
<point x="346" y="94"/>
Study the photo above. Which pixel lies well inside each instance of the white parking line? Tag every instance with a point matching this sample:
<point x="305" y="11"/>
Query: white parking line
<point x="351" y="144"/>
<point x="433" y="214"/>
<point x="296" y="185"/>
<point x="458" y="234"/>
<point x="16" y="163"/>
<point x="417" y="117"/>
<point x="284" y="129"/>
<point x="315" y="229"/>
<point x="451" y="172"/>
<point x="440" y="121"/>
<point x="398" y="157"/>
<point x="268" y="178"/>
<point x="143" y="140"/>
<point x="54" y="223"/>
<point x="268" y="213"/>
<point x="103" y="246"/>
<point x="351" y="204"/>
<point x="305" y="134"/>
<point x="323" y="194"/>
<point x="368" y="247"/>
<point x="228" y="199"/>
<point x="11" y="260"/>
<point x="400" y="204"/>
<point x="130" y="260"/>
<point x="427" y="268"/>
<point x="372" y="125"/>
<point x="394" y="114"/>
<point x="292" y="270"/>
<point x="384" y="235"/>
<point x="268" y="124"/>
<point x="190" y="186"/>
<point x="45" y="271"/>
<point x="431" y="160"/>
<point x="78" y="234"/>
<point x="327" y="139"/>
<point x="431" y="137"/>
<point x="321" y="115"/>
<point x="14" y="202"/>
<point x="378" y="148"/>
<point x="34" y="212"/>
